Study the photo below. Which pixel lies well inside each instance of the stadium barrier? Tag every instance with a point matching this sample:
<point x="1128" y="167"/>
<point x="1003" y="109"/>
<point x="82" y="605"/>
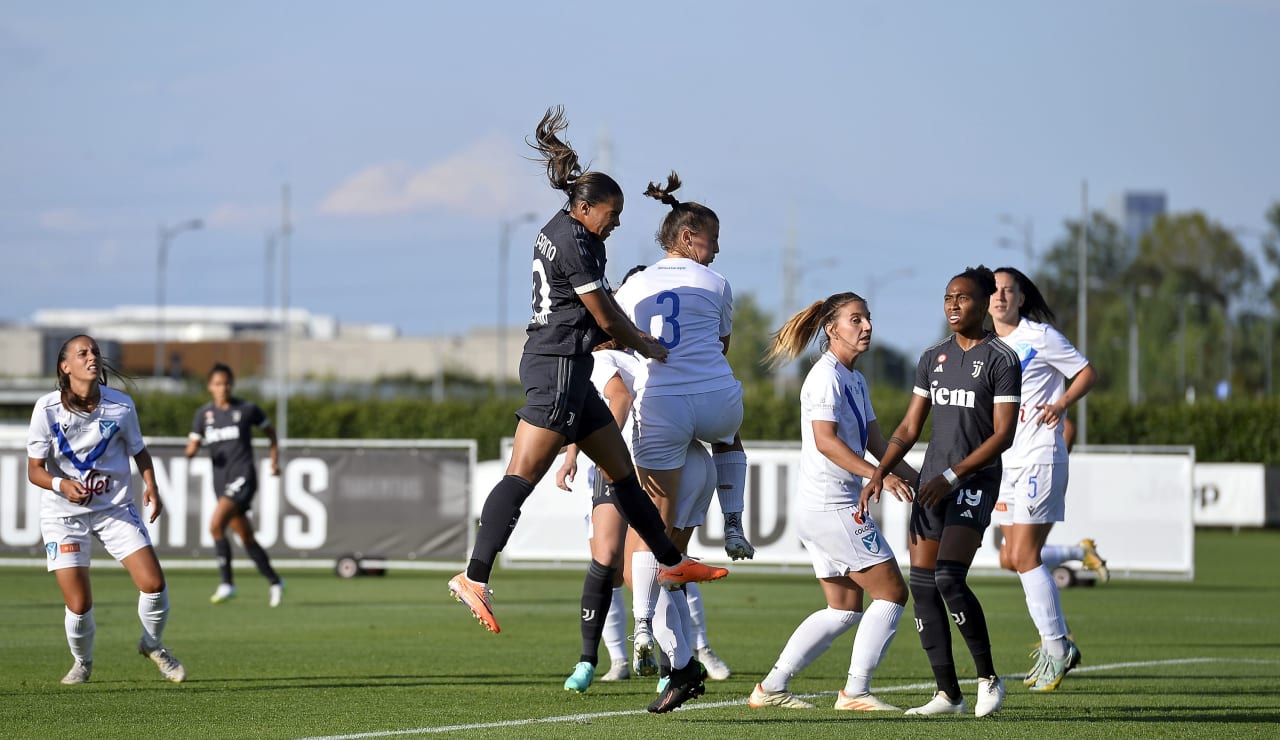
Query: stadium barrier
<point x="1137" y="502"/>
<point x="401" y="501"/>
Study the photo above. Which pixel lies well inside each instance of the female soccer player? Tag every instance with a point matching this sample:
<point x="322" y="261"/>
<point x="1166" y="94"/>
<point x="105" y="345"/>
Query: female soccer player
<point x="226" y="425"/>
<point x="81" y="438"/>
<point x="573" y="310"/>
<point x="1033" y="491"/>
<point x="837" y="428"/>
<point x="693" y="395"/>
<point x="971" y="381"/>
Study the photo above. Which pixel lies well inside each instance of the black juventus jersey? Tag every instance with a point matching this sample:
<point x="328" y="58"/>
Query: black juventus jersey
<point x="963" y="388"/>
<point x="228" y="435"/>
<point x="568" y="261"/>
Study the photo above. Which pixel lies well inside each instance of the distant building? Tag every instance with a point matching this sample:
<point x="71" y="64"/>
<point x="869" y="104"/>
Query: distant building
<point x="1136" y="212"/>
<point x="320" y="347"/>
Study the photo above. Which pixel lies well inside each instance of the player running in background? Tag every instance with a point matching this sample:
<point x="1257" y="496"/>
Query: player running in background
<point x="573" y="311"/>
<point x="837" y="428"/>
<point x="78" y="448"/>
<point x="1033" y="492"/>
<point x="971" y="381"/>
<point x="225" y="425"/>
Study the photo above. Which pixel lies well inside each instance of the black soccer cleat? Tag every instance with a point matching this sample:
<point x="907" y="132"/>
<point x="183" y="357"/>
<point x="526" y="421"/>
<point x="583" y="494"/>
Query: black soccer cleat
<point x="685" y="684"/>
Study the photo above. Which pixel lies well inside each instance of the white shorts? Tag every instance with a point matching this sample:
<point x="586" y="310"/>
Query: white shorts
<point x="839" y="543"/>
<point x="698" y="482"/>
<point x="1033" y="494"/>
<point x="66" y="538"/>
<point x="663" y="426"/>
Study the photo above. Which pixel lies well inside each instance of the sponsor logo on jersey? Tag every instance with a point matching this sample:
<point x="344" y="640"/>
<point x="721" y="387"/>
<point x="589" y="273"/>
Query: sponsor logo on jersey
<point x="67" y="547"/>
<point x="940" y="359"/>
<point x="967" y="514"/>
<point x="951" y="396"/>
<point x="977" y="367"/>
<point x="220" y="434"/>
<point x="51" y="550"/>
<point x="872" y="542"/>
<point x="107" y="428"/>
<point x="235" y="416"/>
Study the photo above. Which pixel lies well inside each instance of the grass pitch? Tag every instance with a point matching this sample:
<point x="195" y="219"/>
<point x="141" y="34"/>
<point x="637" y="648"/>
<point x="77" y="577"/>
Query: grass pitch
<point x="396" y="657"/>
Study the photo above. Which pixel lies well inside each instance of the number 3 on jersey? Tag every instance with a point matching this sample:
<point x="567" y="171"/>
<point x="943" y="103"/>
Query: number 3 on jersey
<point x="668" y="303"/>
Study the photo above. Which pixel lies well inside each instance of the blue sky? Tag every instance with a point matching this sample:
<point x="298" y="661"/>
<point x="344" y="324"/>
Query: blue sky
<point x="877" y="138"/>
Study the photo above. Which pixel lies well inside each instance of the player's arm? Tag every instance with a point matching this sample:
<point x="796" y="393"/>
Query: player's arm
<point x="1004" y="419"/>
<point x="71" y="490"/>
<point x="1052" y="413"/>
<point x="834" y="449"/>
<point x="193" y="445"/>
<point x="608" y="314"/>
<point x="270" y="431"/>
<point x="877" y="445"/>
<point x="618" y="398"/>
<point x="150" y="494"/>
<point x="569" y="470"/>
<point x="900" y="442"/>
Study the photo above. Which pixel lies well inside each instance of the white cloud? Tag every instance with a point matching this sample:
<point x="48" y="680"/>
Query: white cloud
<point x="488" y="179"/>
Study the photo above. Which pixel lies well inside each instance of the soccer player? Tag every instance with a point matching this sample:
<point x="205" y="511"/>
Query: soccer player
<point x="837" y="428"/>
<point x="1033" y="491"/>
<point x="78" y="448"/>
<point x="971" y="381"/>
<point x="573" y="311"/>
<point x="693" y="395"/>
<point x="225" y="425"/>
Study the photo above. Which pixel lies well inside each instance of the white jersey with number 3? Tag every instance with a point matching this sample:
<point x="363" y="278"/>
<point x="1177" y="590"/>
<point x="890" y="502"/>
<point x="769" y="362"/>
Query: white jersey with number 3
<point x="1047" y="359"/>
<point x="688" y="307"/>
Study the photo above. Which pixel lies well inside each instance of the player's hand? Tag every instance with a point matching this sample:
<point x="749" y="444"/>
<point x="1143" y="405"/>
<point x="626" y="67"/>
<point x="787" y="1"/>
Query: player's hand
<point x="566" y="474"/>
<point x="275" y="468"/>
<point x="870" y="493"/>
<point x="898" y="487"/>
<point x="933" y="492"/>
<point x="1050" y="414"/>
<point x="652" y="348"/>
<point x="78" y="494"/>
<point x="151" y="498"/>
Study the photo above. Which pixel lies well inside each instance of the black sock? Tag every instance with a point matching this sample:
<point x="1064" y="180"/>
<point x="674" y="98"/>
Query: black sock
<point x="934" y="629"/>
<point x="638" y="509"/>
<point x="967" y="612"/>
<point x="497" y="521"/>
<point x="260" y="559"/>
<point x="223" y="548"/>
<point x="597" y="595"/>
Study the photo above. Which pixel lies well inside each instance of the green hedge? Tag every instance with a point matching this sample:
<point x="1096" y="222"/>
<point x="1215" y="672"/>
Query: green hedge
<point x="1238" y="431"/>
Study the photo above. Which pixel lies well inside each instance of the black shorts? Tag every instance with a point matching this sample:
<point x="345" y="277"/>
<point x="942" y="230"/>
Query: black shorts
<point x="559" y="395"/>
<point x="968" y="505"/>
<point x="601" y="490"/>
<point x="241" y="490"/>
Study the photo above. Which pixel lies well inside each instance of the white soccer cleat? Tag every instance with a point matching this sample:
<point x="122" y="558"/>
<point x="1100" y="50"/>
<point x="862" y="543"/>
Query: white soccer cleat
<point x="78" y="674"/>
<point x="169" y="666"/>
<point x="863" y="703"/>
<point x="784" y="699"/>
<point x="225" y="592"/>
<point x="990" y="696"/>
<point x="717" y="670"/>
<point x="277" y="594"/>
<point x="643" y="659"/>
<point x="619" y="670"/>
<point x="940" y="704"/>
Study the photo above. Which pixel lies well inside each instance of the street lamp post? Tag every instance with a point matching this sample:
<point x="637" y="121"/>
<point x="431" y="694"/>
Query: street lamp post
<point x="164" y="236"/>
<point x="504" y="249"/>
<point x="875" y="283"/>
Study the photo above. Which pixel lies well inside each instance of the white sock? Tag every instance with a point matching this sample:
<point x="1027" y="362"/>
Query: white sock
<point x="153" y="612"/>
<point x="697" y="617"/>
<point x="811" y="639"/>
<point x="731" y="477"/>
<point x="1045" y="607"/>
<point x="80" y="629"/>
<point x="875" y="632"/>
<point x="680" y="598"/>
<point x="615" y="628"/>
<point x="668" y="630"/>
<point x="1054" y="555"/>
<point x="644" y="584"/>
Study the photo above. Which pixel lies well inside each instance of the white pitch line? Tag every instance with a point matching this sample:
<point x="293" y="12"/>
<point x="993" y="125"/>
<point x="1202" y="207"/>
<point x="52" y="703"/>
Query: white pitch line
<point x="735" y="702"/>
